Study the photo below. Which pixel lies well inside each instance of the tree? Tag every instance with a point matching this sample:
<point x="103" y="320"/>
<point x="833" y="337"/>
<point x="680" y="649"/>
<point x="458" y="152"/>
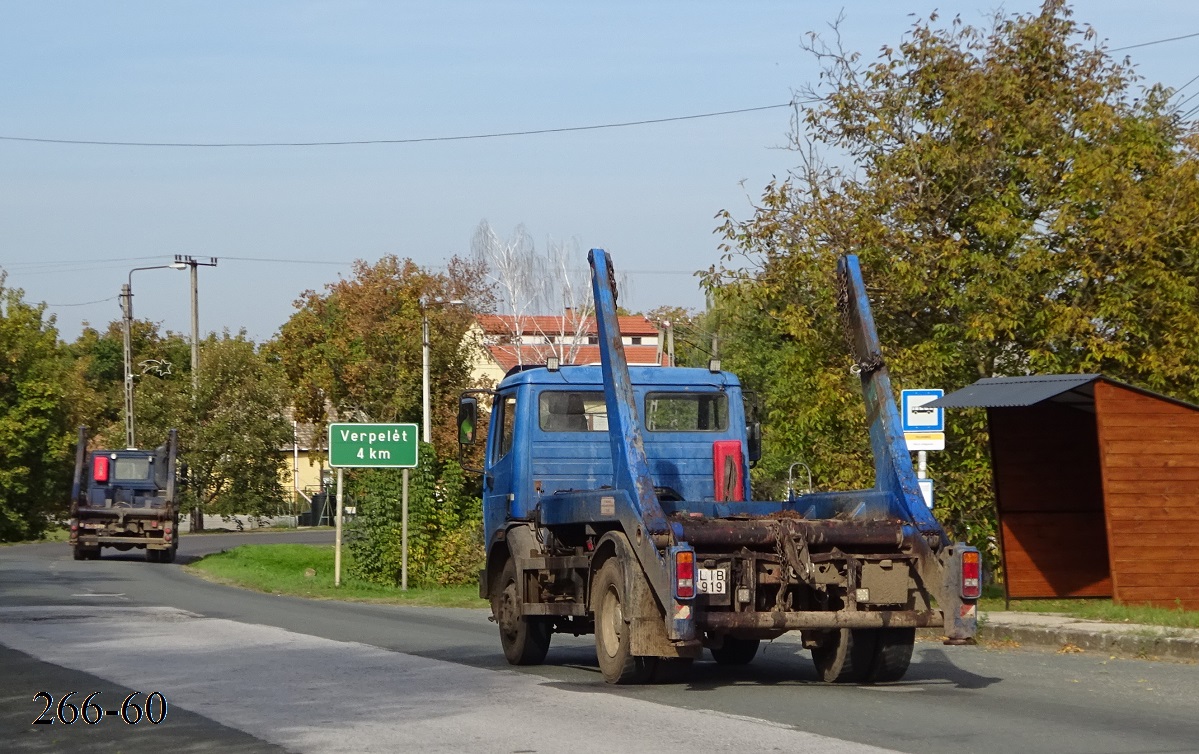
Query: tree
<point x="1019" y="206"/>
<point x="236" y="429"/>
<point x="689" y="328"/>
<point x="356" y="349"/>
<point x="36" y="417"/>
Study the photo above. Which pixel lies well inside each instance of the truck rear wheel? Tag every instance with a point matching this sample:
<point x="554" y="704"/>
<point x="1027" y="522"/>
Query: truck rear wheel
<point x="168" y="555"/>
<point x="892" y="654"/>
<point x="613" y="646"/>
<point x="864" y="655"/>
<point x="526" y="640"/>
<point x="844" y="655"/>
<point x="153" y="556"/>
<point x="735" y="651"/>
<point x="78" y="553"/>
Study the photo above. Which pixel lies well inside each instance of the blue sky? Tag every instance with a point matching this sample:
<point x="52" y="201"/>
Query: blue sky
<point x="75" y="219"/>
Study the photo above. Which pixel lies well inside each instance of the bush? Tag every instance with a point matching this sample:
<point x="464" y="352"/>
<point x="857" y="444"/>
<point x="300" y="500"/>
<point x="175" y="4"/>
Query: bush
<point x="445" y="522"/>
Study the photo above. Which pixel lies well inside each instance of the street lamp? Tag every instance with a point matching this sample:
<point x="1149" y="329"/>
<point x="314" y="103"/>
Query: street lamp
<point x="127" y="312"/>
<point x="424" y="340"/>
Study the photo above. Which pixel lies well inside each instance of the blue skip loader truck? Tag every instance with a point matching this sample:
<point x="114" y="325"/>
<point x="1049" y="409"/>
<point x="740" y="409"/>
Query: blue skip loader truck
<point x="617" y="502"/>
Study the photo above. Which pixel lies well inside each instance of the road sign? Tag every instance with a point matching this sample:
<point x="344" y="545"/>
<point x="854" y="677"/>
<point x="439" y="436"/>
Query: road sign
<point x="924" y="440"/>
<point x="375" y="445"/>
<point x="926" y="489"/>
<point x="917" y="418"/>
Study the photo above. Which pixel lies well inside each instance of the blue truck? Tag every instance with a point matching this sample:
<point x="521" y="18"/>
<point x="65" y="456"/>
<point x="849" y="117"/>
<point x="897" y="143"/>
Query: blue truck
<point x="125" y="499"/>
<point x="617" y="501"/>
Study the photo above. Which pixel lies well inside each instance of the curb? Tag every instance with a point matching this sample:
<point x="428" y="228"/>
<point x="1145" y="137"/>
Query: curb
<point x="1143" y="642"/>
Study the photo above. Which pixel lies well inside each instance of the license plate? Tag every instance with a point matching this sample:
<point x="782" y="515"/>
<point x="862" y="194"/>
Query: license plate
<point x="713" y="581"/>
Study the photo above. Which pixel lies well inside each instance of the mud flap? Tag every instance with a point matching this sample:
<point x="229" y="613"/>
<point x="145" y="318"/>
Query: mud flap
<point x="961" y="615"/>
<point x="647" y="621"/>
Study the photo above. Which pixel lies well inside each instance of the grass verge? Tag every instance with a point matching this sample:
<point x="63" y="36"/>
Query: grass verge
<point x="285" y="569"/>
<point x="1098" y="609"/>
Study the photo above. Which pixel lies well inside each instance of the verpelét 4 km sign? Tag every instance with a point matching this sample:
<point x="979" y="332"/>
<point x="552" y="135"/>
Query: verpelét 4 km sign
<point x="391" y="446"/>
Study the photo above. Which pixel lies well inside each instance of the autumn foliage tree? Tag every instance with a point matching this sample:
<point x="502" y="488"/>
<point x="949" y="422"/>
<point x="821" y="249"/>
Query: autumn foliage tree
<point x="356" y="348"/>
<point x="1020" y="204"/>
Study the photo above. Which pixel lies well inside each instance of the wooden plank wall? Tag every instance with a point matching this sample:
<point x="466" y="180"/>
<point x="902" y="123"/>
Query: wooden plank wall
<point x="1150" y="455"/>
<point x="1050" y="502"/>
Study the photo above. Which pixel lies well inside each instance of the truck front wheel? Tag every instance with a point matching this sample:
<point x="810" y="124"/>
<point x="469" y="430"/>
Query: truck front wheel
<point x="526" y="640"/>
<point x="612" y="632"/>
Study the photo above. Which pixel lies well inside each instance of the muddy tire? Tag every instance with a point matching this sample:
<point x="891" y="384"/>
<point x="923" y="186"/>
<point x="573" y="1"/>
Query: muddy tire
<point x="526" y="640"/>
<point x="892" y="654"/>
<point x="845" y="655"/>
<point x="153" y="556"/>
<point x="613" y="646"/>
<point x="168" y="555"/>
<point x="78" y="553"/>
<point x="736" y="651"/>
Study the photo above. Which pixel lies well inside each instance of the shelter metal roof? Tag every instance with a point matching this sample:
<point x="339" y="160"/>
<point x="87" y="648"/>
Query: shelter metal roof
<point x="994" y="392"/>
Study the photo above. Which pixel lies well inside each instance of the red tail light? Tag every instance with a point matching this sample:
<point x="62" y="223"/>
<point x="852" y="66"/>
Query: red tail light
<point x="684" y="574"/>
<point x="166" y="532"/>
<point x="100" y="468"/>
<point x="972" y="582"/>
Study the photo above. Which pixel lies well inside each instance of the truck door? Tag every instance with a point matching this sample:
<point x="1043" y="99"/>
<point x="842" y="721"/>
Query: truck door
<point x="498" y="483"/>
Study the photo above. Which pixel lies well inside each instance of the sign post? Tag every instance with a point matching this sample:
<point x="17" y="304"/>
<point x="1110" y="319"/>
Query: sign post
<point x="387" y="446"/>
<point x="923" y="430"/>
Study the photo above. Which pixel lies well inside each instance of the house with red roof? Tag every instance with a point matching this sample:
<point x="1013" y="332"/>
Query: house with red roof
<point x="509" y="341"/>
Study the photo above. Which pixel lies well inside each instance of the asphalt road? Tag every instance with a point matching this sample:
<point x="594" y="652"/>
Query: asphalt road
<point x="251" y="672"/>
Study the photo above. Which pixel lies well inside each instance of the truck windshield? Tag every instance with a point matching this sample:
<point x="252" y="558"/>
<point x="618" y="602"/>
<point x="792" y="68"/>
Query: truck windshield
<point x="132" y="468"/>
<point x="686" y="412"/>
<point x="574" y="411"/>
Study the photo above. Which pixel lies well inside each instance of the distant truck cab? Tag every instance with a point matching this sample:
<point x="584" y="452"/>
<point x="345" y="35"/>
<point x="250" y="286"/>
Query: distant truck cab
<point x="125" y="499"/>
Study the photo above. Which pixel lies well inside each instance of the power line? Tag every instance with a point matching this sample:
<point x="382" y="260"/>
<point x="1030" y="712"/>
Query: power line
<point x="360" y="142"/>
<point x="85" y="303"/>
<point x="1154" y="42"/>
<point x="287" y="261"/>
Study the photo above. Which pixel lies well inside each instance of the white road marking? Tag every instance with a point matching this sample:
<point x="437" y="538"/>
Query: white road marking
<point x="310" y="694"/>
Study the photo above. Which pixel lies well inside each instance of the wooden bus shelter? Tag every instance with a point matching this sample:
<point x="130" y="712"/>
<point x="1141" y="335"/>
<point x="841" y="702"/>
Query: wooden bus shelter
<point x="1096" y="487"/>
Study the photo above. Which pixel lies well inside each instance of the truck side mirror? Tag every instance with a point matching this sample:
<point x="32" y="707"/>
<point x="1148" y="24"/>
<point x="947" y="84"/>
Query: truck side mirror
<point x="753" y="437"/>
<point x="468" y="419"/>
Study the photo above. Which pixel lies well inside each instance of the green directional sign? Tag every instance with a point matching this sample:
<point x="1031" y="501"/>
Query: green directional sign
<point x="377" y="445"/>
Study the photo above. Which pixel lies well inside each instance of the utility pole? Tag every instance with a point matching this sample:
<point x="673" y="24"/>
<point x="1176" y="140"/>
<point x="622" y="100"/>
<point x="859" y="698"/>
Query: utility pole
<point x="127" y="322"/>
<point x="193" y="263"/>
<point x="670" y="343"/>
<point x="425" y="305"/>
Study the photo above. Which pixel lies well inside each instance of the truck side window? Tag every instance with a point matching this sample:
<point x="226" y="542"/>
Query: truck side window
<point x="562" y="411"/>
<point x="507" y="426"/>
<point x="686" y="412"/>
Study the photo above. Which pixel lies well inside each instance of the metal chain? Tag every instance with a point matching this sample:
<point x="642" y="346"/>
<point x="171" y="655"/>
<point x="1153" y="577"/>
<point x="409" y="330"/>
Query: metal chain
<point x="791" y="566"/>
<point x="861" y="364"/>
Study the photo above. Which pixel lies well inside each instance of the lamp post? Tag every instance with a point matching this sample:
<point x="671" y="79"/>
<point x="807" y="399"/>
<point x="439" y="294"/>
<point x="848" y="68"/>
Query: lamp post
<point x="127" y="319"/>
<point x="424" y="340"/>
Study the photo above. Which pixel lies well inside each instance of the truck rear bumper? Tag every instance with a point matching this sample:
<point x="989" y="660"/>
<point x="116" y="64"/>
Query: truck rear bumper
<point x="729" y="621"/>
<point x="150" y="543"/>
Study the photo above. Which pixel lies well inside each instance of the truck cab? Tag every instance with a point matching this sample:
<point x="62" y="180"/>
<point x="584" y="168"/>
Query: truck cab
<point x="694" y="439"/>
